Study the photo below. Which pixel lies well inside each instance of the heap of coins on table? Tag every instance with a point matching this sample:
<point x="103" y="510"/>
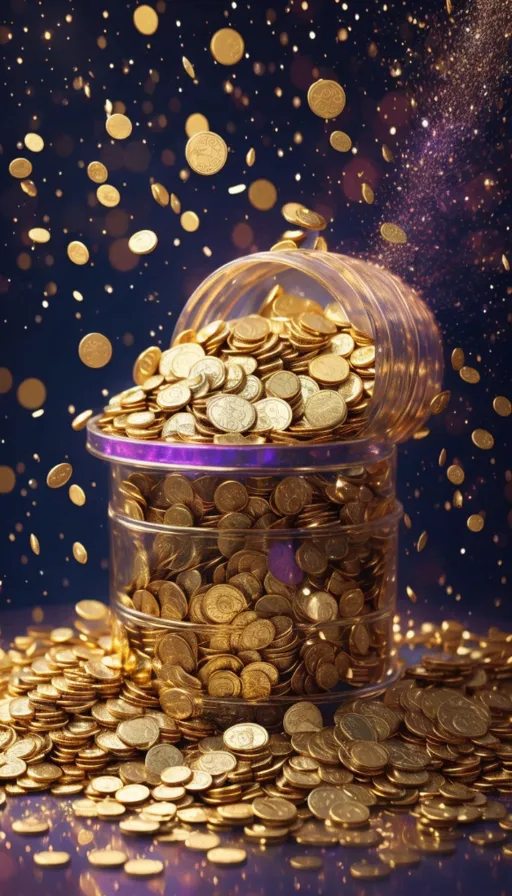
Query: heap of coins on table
<point x="291" y="373"/>
<point x="78" y="719"/>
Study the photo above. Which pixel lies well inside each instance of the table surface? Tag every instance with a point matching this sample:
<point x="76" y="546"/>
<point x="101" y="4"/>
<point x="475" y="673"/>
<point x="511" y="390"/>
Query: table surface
<point x="470" y="870"/>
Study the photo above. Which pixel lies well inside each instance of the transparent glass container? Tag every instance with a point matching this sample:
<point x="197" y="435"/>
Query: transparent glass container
<point x="247" y="577"/>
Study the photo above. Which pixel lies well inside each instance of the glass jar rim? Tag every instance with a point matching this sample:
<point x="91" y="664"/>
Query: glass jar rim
<point x="270" y="458"/>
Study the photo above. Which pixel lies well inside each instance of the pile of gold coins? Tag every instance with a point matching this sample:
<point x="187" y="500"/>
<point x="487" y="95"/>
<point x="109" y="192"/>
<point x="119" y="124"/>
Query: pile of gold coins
<point x="79" y="716"/>
<point x="291" y="373"/>
<point x="267" y="615"/>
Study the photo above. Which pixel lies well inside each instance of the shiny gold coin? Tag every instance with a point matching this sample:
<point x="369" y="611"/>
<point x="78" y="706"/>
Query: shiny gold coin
<point x="108" y="195"/>
<point x="455" y="474"/>
<point x="245" y="737"/>
<point x="440" y="402"/>
<point x="81" y="420"/>
<point x="226" y="855"/>
<point x="367" y="194"/>
<point x="469" y="375"/>
<point x="79" y="552"/>
<point x="145" y="19"/>
<point x="306" y="863"/>
<point x="92" y="610"/>
<point x="227" y="46"/>
<point x="51" y="859"/>
<point x="482" y="439"/>
<point x="95" y="350"/>
<point x="143" y="867"/>
<point x="34" y="544"/>
<point x="30" y="825"/>
<point x="28" y="187"/>
<point x="198" y="842"/>
<point x="326" y="409"/>
<point x="107" y="858"/>
<point x="196" y="123"/>
<point x="160" y="194"/>
<point x="77" y="252"/>
<point x="97" y="172"/>
<point x="206" y="152"/>
<point x="175" y="204"/>
<point x="189" y="221"/>
<point x="340" y="141"/>
<point x="118" y="126"/>
<point x="143" y="242"/>
<point x="392" y="233"/>
<point x="369" y="870"/>
<point x="326" y="98"/>
<point x="20" y="168"/>
<point x="77" y="495"/>
<point x="250" y="157"/>
<point x="387" y="153"/>
<point x="39" y="235"/>
<point x="457" y="358"/>
<point x="34" y="142"/>
<point x="189" y="68"/>
<point x="475" y="522"/>
<point x="502" y="406"/>
<point x="309" y="219"/>
<point x="59" y="475"/>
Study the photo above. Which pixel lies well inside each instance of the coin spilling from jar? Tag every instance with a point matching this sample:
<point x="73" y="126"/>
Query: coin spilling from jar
<point x="80" y="717"/>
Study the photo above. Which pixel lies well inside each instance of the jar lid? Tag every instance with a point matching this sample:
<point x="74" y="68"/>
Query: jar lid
<point x="269" y="457"/>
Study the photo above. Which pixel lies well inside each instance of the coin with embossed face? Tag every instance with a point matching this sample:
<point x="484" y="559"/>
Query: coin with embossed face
<point x="245" y="737"/>
<point x="272" y="414"/>
<point x="326" y="409"/>
<point x="206" y="152"/>
<point x="229" y="413"/>
<point x="326" y="98"/>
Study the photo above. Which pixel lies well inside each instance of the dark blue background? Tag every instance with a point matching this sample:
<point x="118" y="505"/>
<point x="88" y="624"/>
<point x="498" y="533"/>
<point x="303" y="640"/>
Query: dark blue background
<point x="458" y="234"/>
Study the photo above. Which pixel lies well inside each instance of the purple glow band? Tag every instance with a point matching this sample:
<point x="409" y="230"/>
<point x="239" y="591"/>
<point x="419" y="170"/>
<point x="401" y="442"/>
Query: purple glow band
<point x="309" y="457"/>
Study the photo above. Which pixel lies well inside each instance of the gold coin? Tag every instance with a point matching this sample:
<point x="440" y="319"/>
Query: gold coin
<point x="108" y="196"/>
<point x="245" y="737"/>
<point x="107" y="858"/>
<point x="160" y="194"/>
<point x="326" y="98"/>
<point x="92" y="610"/>
<point x="196" y="123"/>
<point x="440" y="402"/>
<point x="262" y="194"/>
<point x="77" y="495"/>
<point x="502" y="406"/>
<point x="77" y="252"/>
<point x="309" y="219"/>
<point x="39" y="235"/>
<point x="145" y="19"/>
<point x="329" y="369"/>
<point x="367" y="193"/>
<point x="95" y="350"/>
<point x="198" y="842"/>
<point x="488" y="837"/>
<point x="229" y="413"/>
<point x="326" y="409"/>
<point x="469" y="375"/>
<point x="250" y="157"/>
<point x="206" y="152"/>
<point x="189" y="68"/>
<point x="79" y="552"/>
<point x="306" y="863"/>
<point x="34" y="544"/>
<point x="51" y="859"/>
<point x="482" y="439"/>
<point x="392" y="233"/>
<point x="176" y="206"/>
<point x="475" y="522"/>
<point x="226" y="855"/>
<point x="143" y="242"/>
<point x="81" y="420"/>
<point x="422" y="541"/>
<point x="97" y="172"/>
<point x="370" y="870"/>
<point x="387" y="153"/>
<point x="28" y="187"/>
<point x="20" y="168"/>
<point x="457" y="358"/>
<point x="227" y="46"/>
<point x="59" y="475"/>
<point x="34" y="142"/>
<point x="189" y="221"/>
<point x="455" y="474"/>
<point x="118" y="126"/>
<point x="30" y="825"/>
<point x="143" y="867"/>
<point x="340" y="141"/>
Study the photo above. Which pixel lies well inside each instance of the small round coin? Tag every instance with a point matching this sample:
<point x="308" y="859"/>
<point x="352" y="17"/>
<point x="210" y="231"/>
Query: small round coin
<point x="143" y="867"/>
<point x="107" y="858"/>
<point x="226" y="855"/>
<point x="326" y="98"/>
<point x="118" y="126"/>
<point x="51" y="859"/>
<point x="206" y="152"/>
<point x="306" y="863"/>
<point x="143" y="242"/>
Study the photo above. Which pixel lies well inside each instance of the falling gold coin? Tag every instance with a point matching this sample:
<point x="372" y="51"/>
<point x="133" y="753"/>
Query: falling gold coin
<point x="118" y="126"/>
<point x="262" y="194"/>
<point x="78" y="253"/>
<point x="143" y="867"/>
<point x="160" y="194"/>
<point x="326" y="98"/>
<point x="143" y="242"/>
<point x="175" y="203"/>
<point x="97" y="172"/>
<point x="39" y="234"/>
<point x="340" y="141"/>
<point x="51" y="859"/>
<point x="92" y="610"/>
<point x="387" y="153"/>
<point x="440" y="402"/>
<point x="502" y="406"/>
<point x="34" y="544"/>
<point x="227" y="46"/>
<point x="455" y="474"/>
<point x="482" y="439"/>
<point x="95" y="350"/>
<point x="250" y="158"/>
<point x="79" y="552"/>
<point x="457" y="358"/>
<point x="108" y="196"/>
<point x="367" y="193"/>
<point x="81" y="420"/>
<point x="59" y="475"/>
<point x="196" y="123"/>
<point x="392" y="233"/>
<point x="77" y="495"/>
<point x="422" y="541"/>
<point x="29" y="187"/>
<point x="189" y="221"/>
<point x="475" y="522"/>
<point x="34" y="142"/>
<point x="20" y="168"/>
<point x="206" y="152"/>
<point x="469" y="375"/>
<point x="189" y="68"/>
<point x="145" y="19"/>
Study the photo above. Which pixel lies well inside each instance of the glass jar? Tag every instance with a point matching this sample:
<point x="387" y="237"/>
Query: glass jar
<point x="246" y="574"/>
